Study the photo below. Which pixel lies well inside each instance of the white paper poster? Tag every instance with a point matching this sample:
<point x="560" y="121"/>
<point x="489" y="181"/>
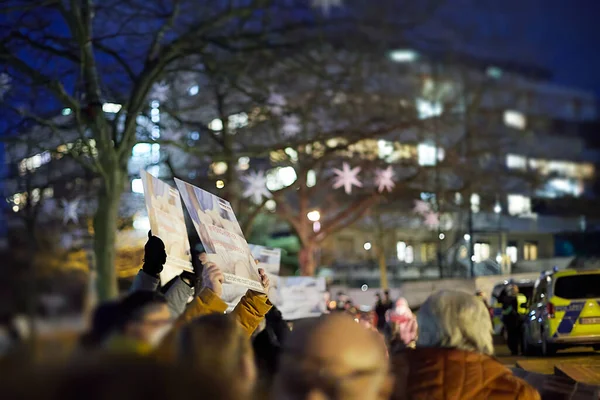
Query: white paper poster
<point x="221" y="236"/>
<point x="301" y="297"/>
<point x="268" y="259"/>
<point x="167" y="222"/>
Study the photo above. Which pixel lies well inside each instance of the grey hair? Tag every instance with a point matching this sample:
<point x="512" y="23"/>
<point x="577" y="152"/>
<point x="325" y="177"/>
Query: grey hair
<point x="453" y="319"/>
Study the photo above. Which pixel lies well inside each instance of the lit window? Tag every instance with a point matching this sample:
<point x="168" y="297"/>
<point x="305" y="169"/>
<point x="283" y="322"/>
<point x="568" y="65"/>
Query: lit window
<point x="404" y="252"/>
<point x="281" y="177"/>
<point x="428" y="252"/>
<point x="563" y="186"/>
<point x="512" y="253"/>
<point x="481" y="251"/>
<point x="475" y="202"/>
<point x="111" y="108"/>
<point x="426" y="153"/>
<point x="494" y="72"/>
<point x="293" y="154"/>
<point x="515" y="119"/>
<point x="386" y="149"/>
<point x="137" y="186"/>
<point x="427" y="109"/>
<point x="311" y="178"/>
<point x="514" y="161"/>
<point x="530" y="251"/>
<point x="403" y="56"/>
<point x="236" y="121"/>
<point x="518" y="204"/>
<point x="193" y="90"/>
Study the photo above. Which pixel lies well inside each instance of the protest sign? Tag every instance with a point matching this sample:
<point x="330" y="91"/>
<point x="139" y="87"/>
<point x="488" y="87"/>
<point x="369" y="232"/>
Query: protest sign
<point x="268" y="259"/>
<point x="167" y="222"/>
<point x="301" y="297"/>
<point x="221" y="236"/>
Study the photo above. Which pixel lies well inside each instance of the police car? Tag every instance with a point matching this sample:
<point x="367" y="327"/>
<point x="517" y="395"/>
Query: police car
<point x="564" y="311"/>
<point x="525" y="290"/>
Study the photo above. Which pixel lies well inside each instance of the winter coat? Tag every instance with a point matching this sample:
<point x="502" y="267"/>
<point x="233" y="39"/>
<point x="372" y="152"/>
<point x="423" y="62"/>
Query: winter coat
<point x="177" y="295"/>
<point x="440" y="374"/>
<point x="249" y="312"/>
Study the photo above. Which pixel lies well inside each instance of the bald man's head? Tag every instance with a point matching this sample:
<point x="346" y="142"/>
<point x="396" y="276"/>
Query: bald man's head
<point x="333" y="357"/>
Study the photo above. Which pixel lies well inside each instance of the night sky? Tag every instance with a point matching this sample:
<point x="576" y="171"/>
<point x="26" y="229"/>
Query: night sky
<point x="566" y="35"/>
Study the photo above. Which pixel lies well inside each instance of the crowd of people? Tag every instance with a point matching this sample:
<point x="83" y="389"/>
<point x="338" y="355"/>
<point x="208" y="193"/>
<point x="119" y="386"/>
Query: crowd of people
<point x="177" y="342"/>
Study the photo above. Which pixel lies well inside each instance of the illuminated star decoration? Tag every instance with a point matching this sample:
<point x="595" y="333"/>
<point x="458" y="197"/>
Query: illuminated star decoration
<point x="422" y="207"/>
<point x="256" y="186"/>
<point x="276" y="103"/>
<point x="291" y="126"/>
<point x="5" y="84"/>
<point x="159" y="92"/>
<point x="70" y="211"/>
<point x="326" y="5"/>
<point x="384" y="179"/>
<point x="347" y="177"/>
<point x="432" y="220"/>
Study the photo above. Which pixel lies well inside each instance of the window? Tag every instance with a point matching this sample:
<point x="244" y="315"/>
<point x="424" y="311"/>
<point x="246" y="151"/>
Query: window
<point x="481" y="251"/>
<point x="585" y="286"/>
<point x="514" y="161"/>
<point x="403" y="56"/>
<point x="426" y="153"/>
<point x="428" y="252"/>
<point x="193" y="90"/>
<point x="475" y="202"/>
<point x="494" y="72"/>
<point x="404" y="252"/>
<point x="427" y="109"/>
<point x="515" y="119"/>
<point x="530" y="251"/>
<point x="518" y="204"/>
<point x="512" y="251"/>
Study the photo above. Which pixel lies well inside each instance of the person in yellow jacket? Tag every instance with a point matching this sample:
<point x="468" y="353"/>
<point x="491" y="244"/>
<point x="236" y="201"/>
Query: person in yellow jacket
<point x="249" y="312"/>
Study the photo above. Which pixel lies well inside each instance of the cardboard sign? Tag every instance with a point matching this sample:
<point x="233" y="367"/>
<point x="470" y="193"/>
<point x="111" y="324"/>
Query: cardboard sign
<point x="221" y="236"/>
<point x="167" y="222"/>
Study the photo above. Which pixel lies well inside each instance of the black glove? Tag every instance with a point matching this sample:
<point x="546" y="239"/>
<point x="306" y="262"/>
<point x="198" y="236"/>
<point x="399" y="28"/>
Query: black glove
<point x="155" y="256"/>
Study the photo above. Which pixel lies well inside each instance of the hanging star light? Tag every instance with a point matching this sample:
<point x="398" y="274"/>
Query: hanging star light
<point x="70" y="211"/>
<point x="422" y="207"/>
<point x="347" y="177"/>
<point x="384" y="179"/>
<point x="159" y="92"/>
<point x="326" y="5"/>
<point x="256" y="186"/>
<point x="276" y="102"/>
<point x="5" y="84"/>
<point x="291" y="126"/>
<point x="432" y="220"/>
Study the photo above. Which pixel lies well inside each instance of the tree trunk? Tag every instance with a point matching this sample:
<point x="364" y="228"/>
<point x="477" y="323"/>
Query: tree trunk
<point x="308" y="263"/>
<point x="105" y="233"/>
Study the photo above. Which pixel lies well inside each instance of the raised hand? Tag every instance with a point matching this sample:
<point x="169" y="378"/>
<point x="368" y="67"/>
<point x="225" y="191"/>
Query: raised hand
<point x="155" y="255"/>
<point x="212" y="278"/>
<point x="264" y="279"/>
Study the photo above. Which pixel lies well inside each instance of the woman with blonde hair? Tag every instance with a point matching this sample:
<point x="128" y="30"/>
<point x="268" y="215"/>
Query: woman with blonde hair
<point x="217" y="348"/>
